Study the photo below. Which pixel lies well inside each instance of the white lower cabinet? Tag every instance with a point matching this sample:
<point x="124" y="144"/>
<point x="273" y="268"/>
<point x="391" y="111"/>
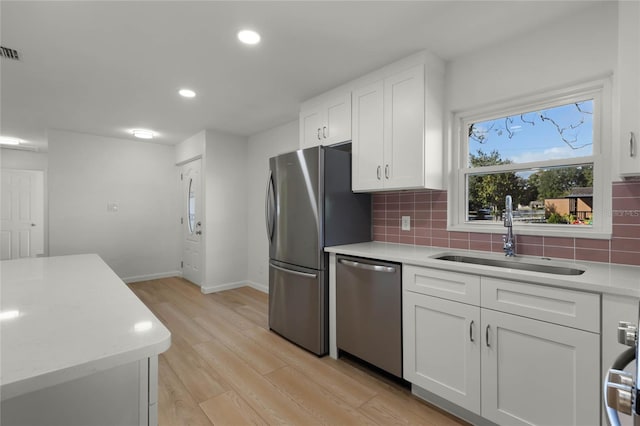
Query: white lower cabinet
<point x="537" y="373"/>
<point x="442" y="348"/>
<point x="125" y="395"/>
<point x="504" y="367"/>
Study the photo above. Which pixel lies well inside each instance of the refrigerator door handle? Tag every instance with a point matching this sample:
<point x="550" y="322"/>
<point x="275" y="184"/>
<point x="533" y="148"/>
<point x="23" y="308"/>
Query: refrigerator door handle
<point x="269" y="204"/>
<point x="367" y="266"/>
<point x="290" y="271"/>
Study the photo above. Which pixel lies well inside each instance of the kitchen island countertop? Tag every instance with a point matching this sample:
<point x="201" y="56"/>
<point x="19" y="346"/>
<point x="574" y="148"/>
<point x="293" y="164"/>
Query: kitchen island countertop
<point x="68" y="317"/>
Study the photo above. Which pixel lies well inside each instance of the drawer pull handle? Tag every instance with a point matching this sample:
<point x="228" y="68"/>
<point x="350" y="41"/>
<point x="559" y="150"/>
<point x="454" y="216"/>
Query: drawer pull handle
<point x="486" y="336"/>
<point x="471" y="331"/>
<point x="632" y="145"/>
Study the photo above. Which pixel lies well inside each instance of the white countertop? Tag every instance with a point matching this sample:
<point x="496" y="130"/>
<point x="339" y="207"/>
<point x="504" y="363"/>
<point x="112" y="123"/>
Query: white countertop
<point x="598" y="277"/>
<point x="75" y="317"/>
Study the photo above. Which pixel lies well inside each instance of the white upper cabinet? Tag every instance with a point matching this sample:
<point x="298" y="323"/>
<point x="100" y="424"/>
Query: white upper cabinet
<point x="326" y="120"/>
<point x="388" y="132"/>
<point x="404" y="148"/>
<point x="397" y="128"/>
<point x="368" y="116"/>
<point x="393" y="116"/>
<point x="629" y="86"/>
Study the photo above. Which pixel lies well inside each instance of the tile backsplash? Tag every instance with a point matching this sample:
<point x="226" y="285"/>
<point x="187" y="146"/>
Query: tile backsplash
<point x="428" y="211"/>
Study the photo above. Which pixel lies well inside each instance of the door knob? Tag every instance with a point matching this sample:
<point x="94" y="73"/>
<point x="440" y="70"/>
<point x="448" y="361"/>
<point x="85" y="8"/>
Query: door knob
<point x="198" y="232"/>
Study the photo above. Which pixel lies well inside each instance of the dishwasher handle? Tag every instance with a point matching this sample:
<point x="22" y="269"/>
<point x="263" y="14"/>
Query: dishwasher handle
<point x="368" y="266"/>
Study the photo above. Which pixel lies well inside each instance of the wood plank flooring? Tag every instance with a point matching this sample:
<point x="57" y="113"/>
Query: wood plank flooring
<point x="225" y="367"/>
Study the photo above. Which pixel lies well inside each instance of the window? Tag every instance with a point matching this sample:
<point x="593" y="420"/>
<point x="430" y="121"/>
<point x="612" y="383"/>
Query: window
<point x="547" y="154"/>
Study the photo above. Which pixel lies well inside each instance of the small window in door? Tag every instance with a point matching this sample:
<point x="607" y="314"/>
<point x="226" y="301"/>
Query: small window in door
<point x="191" y="207"/>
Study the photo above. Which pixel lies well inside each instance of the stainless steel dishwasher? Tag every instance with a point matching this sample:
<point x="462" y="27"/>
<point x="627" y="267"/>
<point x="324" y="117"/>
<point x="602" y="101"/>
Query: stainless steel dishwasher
<point x="369" y="311"/>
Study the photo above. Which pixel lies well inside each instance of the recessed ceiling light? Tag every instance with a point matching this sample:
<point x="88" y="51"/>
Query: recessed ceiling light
<point x="5" y="315"/>
<point x="249" y="37"/>
<point x="142" y="133"/>
<point x="5" y="140"/>
<point x="187" y="93"/>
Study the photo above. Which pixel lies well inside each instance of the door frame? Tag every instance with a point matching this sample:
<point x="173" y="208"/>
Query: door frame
<point x="184" y="217"/>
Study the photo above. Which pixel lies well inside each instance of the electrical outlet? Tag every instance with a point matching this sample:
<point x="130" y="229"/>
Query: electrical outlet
<point x="406" y="223"/>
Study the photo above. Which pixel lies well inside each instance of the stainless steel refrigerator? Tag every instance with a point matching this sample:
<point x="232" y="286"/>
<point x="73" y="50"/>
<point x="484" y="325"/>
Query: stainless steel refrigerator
<point x="309" y="205"/>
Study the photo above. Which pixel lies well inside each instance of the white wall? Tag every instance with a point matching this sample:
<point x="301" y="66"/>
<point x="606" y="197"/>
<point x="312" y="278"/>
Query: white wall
<point x="191" y="148"/>
<point x="581" y="47"/>
<point x="262" y="146"/>
<point x="86" y="172"/>
<point x="24" y="160"/>
<point x="225" y="228"/>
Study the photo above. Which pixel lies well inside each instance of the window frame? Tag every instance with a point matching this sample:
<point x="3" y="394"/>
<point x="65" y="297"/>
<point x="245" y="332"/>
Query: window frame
<point x="598" y="90"/>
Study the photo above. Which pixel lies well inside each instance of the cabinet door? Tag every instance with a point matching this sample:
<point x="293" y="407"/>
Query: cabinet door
<point x="337" y="125"/>
<point x="310" y="128"/>
<point x="404" y="129"/>
<point x="536" y="373"/>
<point x="629" y="81"/>
<point x="442" y="348"/>
<point x="367" y="142"/>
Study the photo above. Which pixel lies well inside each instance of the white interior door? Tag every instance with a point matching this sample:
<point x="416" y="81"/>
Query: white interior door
<point x="192" y="221"/>
<point x="22" y="214"/>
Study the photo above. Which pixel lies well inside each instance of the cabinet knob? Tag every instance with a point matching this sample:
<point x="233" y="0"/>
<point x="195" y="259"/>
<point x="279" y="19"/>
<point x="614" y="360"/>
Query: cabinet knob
<point x="627" y="333"/>
<point x="619" y="391"/>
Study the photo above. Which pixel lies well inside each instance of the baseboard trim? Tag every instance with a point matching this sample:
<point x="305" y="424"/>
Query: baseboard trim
<point x="228" y="286"/>
<point x="147" y="277"/>
<point x="260" y="287"/>
<point x="206" y="289"/>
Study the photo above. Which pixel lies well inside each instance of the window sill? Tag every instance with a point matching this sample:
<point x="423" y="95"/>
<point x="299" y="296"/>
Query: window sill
<point x="571" y="231"/>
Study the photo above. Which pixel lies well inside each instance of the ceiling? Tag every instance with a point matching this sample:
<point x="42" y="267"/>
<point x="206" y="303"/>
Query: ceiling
<point x="106" y="67"/>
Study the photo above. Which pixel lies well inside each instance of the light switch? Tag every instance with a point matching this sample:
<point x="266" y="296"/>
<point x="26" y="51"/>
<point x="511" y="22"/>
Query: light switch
<point x="112" y="207"/>
<point x="406" y="223"/>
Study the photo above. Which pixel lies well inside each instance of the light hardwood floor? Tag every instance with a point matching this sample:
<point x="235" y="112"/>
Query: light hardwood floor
<point x="225" y="367"/>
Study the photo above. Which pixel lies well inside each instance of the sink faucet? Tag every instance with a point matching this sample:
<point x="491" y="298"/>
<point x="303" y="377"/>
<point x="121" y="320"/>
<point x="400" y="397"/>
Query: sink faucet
<point x="509" y="241"/>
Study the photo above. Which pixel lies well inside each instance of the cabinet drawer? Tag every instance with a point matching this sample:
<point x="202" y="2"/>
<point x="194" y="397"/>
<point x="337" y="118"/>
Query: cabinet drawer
<point x="447" y="285"/>
<point x="559" y="306"/>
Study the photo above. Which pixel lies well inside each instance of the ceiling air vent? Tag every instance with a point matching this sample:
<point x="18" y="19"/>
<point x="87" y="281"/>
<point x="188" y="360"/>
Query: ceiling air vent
<point x="5" y="52"/>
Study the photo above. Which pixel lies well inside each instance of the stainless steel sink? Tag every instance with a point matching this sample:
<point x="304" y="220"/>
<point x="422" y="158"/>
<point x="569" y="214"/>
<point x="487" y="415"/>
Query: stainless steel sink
<point x="513" y="264"/>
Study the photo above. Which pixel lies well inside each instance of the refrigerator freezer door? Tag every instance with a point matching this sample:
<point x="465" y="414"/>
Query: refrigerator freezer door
<point x="298" y="190"/>
<point x="297" y="306"/>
